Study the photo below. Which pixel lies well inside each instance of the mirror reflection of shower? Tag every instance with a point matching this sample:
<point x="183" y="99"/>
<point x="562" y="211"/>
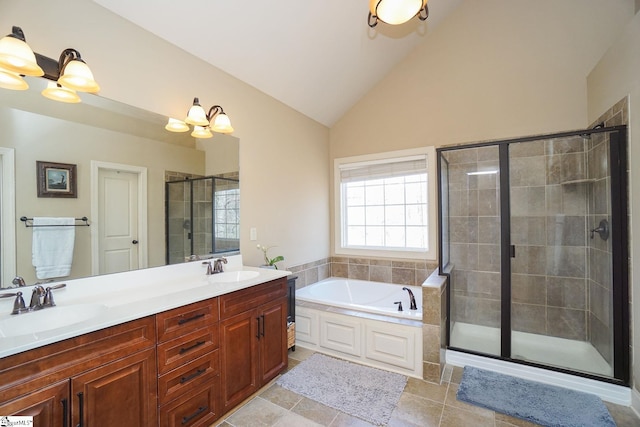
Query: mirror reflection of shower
<point x="202" y="217"/>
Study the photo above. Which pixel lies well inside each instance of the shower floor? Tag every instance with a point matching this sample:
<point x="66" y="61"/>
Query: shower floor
<point x="560" y="352"/>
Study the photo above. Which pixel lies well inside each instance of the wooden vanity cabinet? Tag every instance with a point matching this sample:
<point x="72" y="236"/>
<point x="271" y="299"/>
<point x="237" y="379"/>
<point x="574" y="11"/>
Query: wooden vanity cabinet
<point x="103" y="378"/>
<point x="189" y="365"/>
<point x="253" y="336"/>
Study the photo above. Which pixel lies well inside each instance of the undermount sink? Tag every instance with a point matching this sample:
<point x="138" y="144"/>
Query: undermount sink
<point x="47" y="319"/>
<point x="233" y="276"/>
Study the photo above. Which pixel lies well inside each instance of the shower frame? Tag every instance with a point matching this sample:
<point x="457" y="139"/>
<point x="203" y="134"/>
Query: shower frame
<point x="617" y="147"/>
<point x="214" y="250"/>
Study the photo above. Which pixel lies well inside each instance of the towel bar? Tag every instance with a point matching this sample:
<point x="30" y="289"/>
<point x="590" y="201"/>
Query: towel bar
<point x="28" y="222"/>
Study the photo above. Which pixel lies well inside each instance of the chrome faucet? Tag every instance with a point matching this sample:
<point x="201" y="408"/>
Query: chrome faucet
<point x="412" y="298"/>
<point x="217" y="265"/>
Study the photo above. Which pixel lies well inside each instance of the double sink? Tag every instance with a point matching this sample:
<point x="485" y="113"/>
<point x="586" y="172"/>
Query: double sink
<point x="85" y="303"/>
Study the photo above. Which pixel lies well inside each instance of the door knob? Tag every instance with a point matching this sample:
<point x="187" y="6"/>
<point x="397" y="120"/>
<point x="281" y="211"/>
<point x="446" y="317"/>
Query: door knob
<point x="135" y="242"/>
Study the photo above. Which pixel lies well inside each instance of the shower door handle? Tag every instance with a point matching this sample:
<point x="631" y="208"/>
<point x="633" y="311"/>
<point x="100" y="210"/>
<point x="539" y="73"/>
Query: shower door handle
<point x="512" y="251"/>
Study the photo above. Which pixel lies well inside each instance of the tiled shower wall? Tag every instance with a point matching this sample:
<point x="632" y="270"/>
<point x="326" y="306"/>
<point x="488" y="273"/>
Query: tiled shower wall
<point x="378" y="270"/>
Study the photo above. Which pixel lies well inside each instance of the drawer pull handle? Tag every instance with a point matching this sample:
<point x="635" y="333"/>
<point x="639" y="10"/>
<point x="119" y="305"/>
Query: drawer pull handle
<point x="185" y="349"/>
<point x="81" y="409"/>
<point x="65" y="412"/>
<point x="195" y="414"/>
<point x="192" y="376"/>
<point x="190" y="319"/>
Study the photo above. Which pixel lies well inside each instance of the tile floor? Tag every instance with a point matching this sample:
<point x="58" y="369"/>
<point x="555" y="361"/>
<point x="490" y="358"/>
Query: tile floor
<point x="422" y="404"/>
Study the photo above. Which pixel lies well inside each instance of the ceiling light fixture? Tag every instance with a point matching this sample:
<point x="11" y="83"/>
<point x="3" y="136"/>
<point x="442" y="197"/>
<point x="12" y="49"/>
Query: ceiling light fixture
<point x="69" y="74"/>
<point x="202" y="121"/>
<point x="396" y="12"/>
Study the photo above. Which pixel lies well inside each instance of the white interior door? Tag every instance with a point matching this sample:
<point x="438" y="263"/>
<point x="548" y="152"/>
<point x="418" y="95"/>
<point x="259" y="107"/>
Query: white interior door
<point x="119" y="213"/>
<point x="118" y="221"/>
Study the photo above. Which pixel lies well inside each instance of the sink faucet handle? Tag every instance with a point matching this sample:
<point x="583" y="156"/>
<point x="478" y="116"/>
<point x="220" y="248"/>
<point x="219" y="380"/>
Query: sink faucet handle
<point x="48" y="295"/>
<point x="18" y="305"/>
<point x="209" y="268"/>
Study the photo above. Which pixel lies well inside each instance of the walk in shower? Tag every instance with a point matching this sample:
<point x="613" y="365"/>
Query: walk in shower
<point x="202" y="217"/>
<point x="534" y="241"/>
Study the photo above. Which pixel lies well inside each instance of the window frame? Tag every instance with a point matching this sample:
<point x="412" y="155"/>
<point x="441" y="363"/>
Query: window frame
<point x="431" y="253"/>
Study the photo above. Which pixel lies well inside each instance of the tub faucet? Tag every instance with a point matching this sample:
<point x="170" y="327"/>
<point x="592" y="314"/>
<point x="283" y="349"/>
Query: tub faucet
<point x="412" y="298"/>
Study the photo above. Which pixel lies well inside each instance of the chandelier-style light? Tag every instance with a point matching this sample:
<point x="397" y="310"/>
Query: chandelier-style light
<point x="396" y="12"/>
<point x="69" y="74"/>
<point x="203" y="123"/>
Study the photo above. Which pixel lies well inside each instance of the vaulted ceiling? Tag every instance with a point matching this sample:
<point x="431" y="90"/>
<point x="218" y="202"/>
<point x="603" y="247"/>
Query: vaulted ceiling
<point x="317" y="56"/>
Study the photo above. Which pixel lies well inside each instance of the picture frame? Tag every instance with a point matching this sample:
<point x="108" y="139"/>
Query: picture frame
<point x="56" y="179"/>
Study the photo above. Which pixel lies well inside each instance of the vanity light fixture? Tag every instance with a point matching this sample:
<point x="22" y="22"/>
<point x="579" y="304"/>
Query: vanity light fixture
<point x="203" y="123"/>
<point x="396" y="12"/>
<point x="60" y="93"/>
<point x="69" y="74"/>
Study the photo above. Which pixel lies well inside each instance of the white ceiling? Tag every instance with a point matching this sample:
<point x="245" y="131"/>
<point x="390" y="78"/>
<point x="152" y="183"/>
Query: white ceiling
<point x="317" y="56"/>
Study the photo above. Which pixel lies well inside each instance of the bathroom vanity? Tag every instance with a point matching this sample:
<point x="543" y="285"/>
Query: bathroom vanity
<point x="167" y="346"/>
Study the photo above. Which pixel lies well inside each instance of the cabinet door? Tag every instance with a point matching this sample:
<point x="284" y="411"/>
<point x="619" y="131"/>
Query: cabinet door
<point x="49" y="407"/>
<point x="122" y="393"/>
<point x="273" y="339"/>
<point x="239" y="357"/>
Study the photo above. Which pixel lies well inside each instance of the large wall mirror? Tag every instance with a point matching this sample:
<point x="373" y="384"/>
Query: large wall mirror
<point x="102" y="138"/>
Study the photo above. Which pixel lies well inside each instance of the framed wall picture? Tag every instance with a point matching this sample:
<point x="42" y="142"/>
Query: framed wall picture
<point x="56" y="179"/>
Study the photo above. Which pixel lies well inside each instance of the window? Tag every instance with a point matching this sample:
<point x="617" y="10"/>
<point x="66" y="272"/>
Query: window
<point x="384" y="205"/>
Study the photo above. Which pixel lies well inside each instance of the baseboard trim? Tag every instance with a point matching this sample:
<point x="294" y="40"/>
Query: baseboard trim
<point x="609" y="392"/>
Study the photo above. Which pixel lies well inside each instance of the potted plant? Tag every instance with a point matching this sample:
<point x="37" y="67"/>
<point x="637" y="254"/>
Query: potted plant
<point x="269" y="262"/>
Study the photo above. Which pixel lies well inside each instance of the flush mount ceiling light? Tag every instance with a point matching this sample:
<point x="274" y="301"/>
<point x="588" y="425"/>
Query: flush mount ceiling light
<point x="396" y="12"/>
<point x="202" y="121"/>
<point x="69" y="74"/>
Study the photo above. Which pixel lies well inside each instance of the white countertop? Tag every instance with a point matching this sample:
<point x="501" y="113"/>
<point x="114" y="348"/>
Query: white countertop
<point x="93" y="303"/>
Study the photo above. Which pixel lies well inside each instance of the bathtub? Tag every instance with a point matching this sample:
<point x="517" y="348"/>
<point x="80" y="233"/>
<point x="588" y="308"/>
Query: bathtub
<point x="362" y="295"/>
<point x="359" y="321"/>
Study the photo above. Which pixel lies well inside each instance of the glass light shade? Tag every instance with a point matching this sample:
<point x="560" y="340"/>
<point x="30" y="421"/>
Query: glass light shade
<point x="17" y="56"/>
<point x="395" y="12"/>
<point x="77" y="76"/>
<point x="60" y="93"/>
<point x="13" y="81"/>
<point x="201" y="132"/>
<point x="175" y="125"/>
<point x="222" y="124"/>
<point x="197" y="116"/>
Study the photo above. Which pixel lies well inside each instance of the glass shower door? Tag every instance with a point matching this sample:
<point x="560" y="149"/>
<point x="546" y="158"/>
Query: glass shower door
<point x="560" y="312"/>
<point x="473" y="210"/>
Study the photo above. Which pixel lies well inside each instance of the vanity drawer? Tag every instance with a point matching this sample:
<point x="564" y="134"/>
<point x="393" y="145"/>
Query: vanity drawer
<point x="184" y="349"/>
<point x="199" y="408"/>
<point x="175" y="323"/>
<point x="187" y="377"/>
<point x="252" y="297"/>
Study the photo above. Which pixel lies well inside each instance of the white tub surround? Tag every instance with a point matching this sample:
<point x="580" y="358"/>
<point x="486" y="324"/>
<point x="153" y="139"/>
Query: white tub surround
<point x="358" y="321"/>
<point x="93" y="303"/>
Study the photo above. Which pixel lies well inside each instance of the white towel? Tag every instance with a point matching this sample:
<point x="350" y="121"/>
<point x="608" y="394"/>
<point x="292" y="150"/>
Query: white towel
<point x="52" y="247"/>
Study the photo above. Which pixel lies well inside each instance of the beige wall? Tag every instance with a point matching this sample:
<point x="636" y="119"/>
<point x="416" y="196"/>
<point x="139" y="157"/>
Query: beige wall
<point x="618" y="75"/>
<point x="283" y="154"/>
<point x="494" y="69"/>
